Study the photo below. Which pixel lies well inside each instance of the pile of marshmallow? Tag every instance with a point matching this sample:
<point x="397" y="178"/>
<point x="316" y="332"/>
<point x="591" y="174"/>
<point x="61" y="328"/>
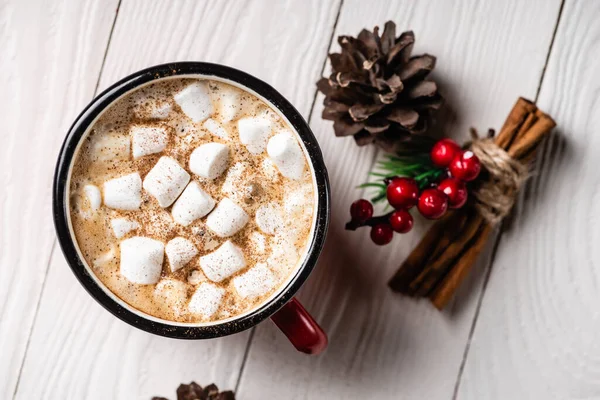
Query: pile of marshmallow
<point x="170" y="184"/>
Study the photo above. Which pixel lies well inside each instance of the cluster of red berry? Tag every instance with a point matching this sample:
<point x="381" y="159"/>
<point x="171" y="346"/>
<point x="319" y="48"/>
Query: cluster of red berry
<point x="432" y="202"/>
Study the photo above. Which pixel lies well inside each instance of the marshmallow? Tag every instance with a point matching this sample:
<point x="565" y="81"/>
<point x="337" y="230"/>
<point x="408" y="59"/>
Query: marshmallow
<point x="257" y="281"/>
<point x="166" y="180"/>
<point x="123" y="193"/>
<point x="235" y="182"/>
<point x="141" y="260"/>
<point x="295" y="200"/>
<point x="122" y="226"/>
<point x="269" y="169"/>
<point x="196" y="277"/>
<point x="296" y="235"/>
<point x="206" y="300"/>
<point x="188" y="143"/>
<point x="227" y="218"/>
<point x="209" y="160"/>
<point x="259" y="242"/>
<point x="287" y="155"/>
<point x="216" y="129"/>
<point x="298" y="203"/>
<point x="109" y="147"/>
<point x="193" y="203"/>
<point x="104" y="259"/>
<point x="183" y="126"/>
<point x="241" y="183"/>
<point x="283" y="254"/>
<point x="180" y="251"/>
<point x="229" y="103"/>
<point x="147" y="140"/>
<point x="254" y="133"/>
<point x="146" y="107"/>
<point x="269" y="218"/>
<point x="171" y="293"/>
<point x="93" y="195"/>
<point x="223" y="262"/>
<point x="266" y="112"/>
<point x="194" y="100"/>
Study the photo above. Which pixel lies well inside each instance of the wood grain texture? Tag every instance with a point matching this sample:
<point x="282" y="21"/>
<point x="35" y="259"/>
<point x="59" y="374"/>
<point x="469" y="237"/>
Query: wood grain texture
<point x="77" y="349"/>
<point x="537" y="336"/>
<point x="383" y="345"/>
<point x="282" y="43"/>
<point x="80" y="351"/>
<point x="51" y="56"/>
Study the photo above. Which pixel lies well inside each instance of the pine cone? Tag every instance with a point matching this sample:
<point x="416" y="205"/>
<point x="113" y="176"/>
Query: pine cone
<point x="378" y="93"/>
<point x="193" y="391"/>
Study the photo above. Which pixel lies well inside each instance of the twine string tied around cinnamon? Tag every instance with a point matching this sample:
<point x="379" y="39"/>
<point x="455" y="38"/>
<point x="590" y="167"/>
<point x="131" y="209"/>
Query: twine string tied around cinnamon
<point x="495" y="197"/>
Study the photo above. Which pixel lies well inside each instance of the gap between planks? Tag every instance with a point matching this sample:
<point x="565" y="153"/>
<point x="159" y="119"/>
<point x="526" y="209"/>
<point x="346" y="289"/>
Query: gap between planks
<point x="54" y="242"/>
<point x="35" y="314"/>
<point x="310" y="112"/>
<point x="498" y="236"/>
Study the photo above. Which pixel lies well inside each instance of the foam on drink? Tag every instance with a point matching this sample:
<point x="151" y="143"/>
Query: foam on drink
<point x="191" y="200"/>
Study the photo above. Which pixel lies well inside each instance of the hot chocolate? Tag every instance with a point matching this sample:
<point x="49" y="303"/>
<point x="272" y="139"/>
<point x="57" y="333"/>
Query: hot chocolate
<point x="192" y="200"/>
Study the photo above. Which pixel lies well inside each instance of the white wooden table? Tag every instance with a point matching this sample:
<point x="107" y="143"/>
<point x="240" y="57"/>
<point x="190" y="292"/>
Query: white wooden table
<point x="525" y="326"/>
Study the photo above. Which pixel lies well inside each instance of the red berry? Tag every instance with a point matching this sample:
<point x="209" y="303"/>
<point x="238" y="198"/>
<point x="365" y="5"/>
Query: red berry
<point x="403" y="193"/>
<point x="381" y="234"/>
<point x="456" y="190"/>
<point x="361" y="210"/>
<point x="443" y="152"/>
<point x="433" y="203"/>
<point x="401" y="221"/>
<point x="465" y="166"/>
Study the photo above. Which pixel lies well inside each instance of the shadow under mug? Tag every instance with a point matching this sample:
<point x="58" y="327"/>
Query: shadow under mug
<point x="287" y="313"/>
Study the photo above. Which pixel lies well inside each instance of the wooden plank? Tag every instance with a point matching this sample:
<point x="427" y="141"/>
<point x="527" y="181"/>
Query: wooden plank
<point x="537" y="336"/>
<point x="51" y="56"/>
<point x="77" y="349"/>
<point x="280" y="43"/>
<point x="382" y="345"/>
<point x="80" y="351"/>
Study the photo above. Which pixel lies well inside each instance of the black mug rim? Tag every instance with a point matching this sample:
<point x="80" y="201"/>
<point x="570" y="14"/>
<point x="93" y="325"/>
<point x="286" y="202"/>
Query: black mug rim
<point x="60" y="190"/>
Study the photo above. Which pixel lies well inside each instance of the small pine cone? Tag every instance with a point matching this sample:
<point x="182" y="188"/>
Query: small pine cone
<point x="193" y="391"/>
<point x="378" y="93"/>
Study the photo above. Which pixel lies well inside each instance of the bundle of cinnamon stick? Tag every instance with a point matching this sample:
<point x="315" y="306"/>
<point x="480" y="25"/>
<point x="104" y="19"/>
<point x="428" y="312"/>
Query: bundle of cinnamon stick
<point x="445" y="255"/>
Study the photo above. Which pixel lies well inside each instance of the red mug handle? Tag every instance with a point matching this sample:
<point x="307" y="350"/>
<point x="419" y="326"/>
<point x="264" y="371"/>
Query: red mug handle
<point x="300" y="328"/>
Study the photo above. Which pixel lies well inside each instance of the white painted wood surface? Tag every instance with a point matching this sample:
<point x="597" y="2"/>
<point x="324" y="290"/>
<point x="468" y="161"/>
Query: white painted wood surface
<point x="50" y="57"/>
<point x="534" y="334"/>
<point x="77" y="350"/>
<point x="537" y="334"/>
<point x="381" y="343"/>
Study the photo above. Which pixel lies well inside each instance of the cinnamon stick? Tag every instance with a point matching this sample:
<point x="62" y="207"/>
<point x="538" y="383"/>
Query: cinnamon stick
<point x="413" y="264"/>
<point x="446" y="289"/>
<point x="437" y="268"/>
<point x="416" y="267"/>
<point x="515" y="119"/>
<point x="532" y="137"/>
<point x="452" y="230"/>
<point x="527" y="138"/>
<point x="449" y="249"/>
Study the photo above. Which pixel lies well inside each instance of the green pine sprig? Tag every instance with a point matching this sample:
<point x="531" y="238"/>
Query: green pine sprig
<point x="418" y="167"/>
